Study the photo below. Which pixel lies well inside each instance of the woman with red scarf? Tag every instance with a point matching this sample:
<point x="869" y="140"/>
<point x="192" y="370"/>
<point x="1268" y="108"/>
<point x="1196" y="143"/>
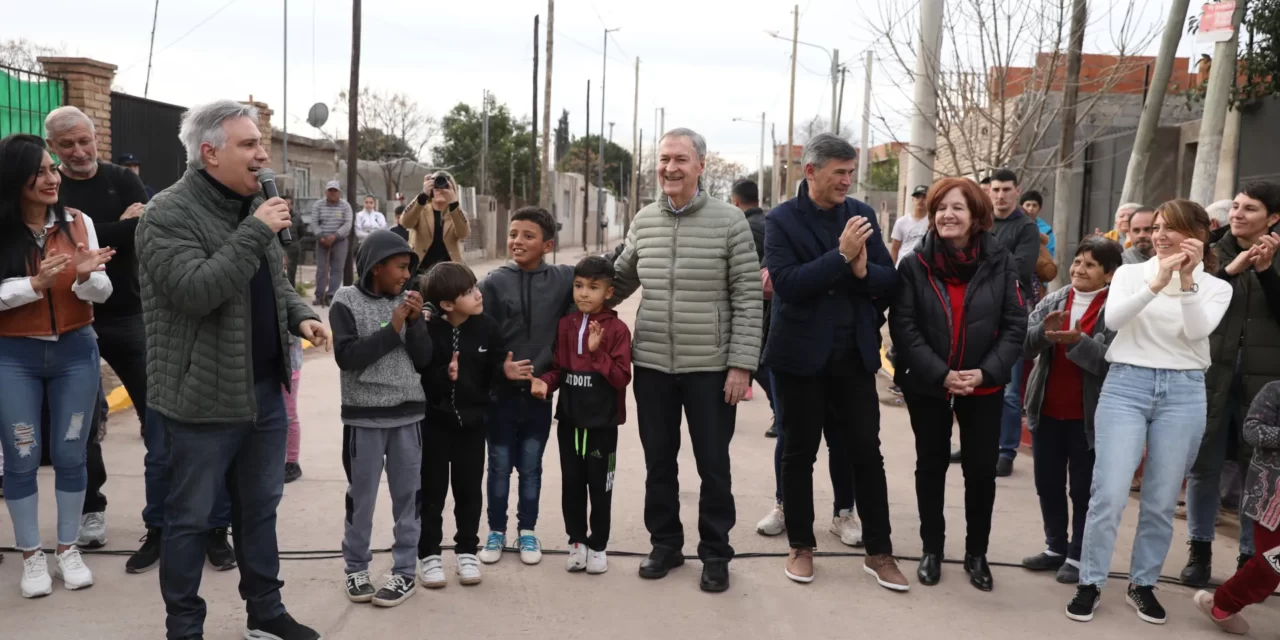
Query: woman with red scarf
<point x="958" y="323"/>
<point x="1068" y="331"/>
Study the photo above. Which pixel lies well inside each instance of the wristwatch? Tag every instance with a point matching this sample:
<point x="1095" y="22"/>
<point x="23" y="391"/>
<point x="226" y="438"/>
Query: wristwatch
<point x="847" y="259"/>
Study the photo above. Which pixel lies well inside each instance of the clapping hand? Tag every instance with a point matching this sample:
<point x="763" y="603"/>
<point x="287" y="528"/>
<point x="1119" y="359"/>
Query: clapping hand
<point x="134" y="211"/>
<point x="1053" y="322"/>
<point x="1070" y="336"/>
<point x="90" y="260"/>
<point x="50" y="267"/>
<point x="594" y="334"/>
<point x="517" y="369"/>
<point x="1194" y="251"/>
<point x="854" y="237"/>
<point x="1167" y="267"/>
<point x="414" y="301"/>
<point x="453" y="367"/>
<point x="1264" y="251"/>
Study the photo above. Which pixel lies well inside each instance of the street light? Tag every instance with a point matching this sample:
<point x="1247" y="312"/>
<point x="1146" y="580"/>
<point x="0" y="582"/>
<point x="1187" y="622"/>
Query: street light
<point x="834" y="58"/>
<point x="760" y="172"/>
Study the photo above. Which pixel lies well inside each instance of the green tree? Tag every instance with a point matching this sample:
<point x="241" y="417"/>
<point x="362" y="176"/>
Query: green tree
<point x="461" y="144"/>
<point x="588" y="147"/>
<point x="884" y="174"/>
<point x="562" y="136"/>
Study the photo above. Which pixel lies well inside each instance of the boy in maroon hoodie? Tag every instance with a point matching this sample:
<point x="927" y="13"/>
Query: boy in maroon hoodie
<point x="591" y="367"/>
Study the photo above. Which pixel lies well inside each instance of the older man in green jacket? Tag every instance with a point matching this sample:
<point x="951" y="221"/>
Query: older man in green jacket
<point x="697" y="341"/>
<point x="218" y="309"/>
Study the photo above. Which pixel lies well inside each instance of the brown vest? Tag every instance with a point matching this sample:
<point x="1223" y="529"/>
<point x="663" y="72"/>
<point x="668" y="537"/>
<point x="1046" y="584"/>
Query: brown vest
<point x="59" y="311"/>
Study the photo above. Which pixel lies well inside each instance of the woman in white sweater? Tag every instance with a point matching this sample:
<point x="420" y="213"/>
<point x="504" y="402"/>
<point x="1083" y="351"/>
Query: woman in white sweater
<point x="1163" y="311"/>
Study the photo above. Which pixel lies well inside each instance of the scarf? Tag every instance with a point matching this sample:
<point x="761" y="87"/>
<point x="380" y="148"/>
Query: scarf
<point x="956" y="265"/>
<point x="1089" y="321"/>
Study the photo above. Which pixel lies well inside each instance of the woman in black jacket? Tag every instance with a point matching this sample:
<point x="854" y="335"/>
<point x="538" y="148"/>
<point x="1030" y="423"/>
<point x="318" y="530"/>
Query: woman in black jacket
<point x="958" y="323"/>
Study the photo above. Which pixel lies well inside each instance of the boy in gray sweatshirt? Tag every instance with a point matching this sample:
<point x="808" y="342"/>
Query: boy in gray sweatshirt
<point x="380" y="342"/>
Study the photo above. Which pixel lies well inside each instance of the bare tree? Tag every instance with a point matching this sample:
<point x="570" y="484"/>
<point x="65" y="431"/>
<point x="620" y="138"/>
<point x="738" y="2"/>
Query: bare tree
<point x="719" y="175"/>
<point x="20" y="53"/>
<point x="1000" y="94"/>
<point x="393" y="132"/>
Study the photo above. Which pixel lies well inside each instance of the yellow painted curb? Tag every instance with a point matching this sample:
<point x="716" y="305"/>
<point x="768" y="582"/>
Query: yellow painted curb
<point x="118" y="399"/>
<point x="884" y="361"/>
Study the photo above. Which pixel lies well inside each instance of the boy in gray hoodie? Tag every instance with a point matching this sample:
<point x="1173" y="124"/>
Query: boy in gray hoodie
<point x="380" y="342"/>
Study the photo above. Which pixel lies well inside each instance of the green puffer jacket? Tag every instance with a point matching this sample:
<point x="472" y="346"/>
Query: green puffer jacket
<point x="1251" y="330"/>
<point x="196" y="257"/>
<point x="701" y="308"/>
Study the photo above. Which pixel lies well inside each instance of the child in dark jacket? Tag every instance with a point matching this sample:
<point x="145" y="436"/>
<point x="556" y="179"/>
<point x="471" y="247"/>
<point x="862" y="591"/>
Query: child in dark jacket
<point x="467" y="362"/>
<point x="591" y="366"/>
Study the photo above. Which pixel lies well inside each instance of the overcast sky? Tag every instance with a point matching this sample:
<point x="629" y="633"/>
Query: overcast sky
<point x="705" y="61"/>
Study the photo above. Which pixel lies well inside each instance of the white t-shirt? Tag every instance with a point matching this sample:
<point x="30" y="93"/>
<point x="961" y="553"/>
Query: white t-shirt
<point x="909" y="231"/>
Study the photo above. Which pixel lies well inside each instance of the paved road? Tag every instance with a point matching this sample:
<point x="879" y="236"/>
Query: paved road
<point x="544" y="601"/>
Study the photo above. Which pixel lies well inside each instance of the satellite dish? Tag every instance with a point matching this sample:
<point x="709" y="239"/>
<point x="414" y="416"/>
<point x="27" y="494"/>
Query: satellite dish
<point x="318" y="115"/>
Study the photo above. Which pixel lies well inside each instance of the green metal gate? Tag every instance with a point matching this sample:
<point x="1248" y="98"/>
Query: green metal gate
<point x="26" y="97"/>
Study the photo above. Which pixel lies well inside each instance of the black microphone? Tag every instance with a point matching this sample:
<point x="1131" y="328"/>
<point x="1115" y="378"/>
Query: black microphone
<point x="267" y="178"/>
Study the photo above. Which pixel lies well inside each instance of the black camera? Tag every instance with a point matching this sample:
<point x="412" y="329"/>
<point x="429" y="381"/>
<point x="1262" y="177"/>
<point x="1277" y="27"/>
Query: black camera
<point x="440" y="182"/>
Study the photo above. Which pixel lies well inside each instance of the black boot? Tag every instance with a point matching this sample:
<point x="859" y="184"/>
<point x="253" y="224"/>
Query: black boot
<point x="221" y="555"/>
<point x="773" y="429"/>
<point x="1242" y="560"/>
<point x="930" y="569"/>
<point x="979" y="572"/>
<point x="1199" y="567"/>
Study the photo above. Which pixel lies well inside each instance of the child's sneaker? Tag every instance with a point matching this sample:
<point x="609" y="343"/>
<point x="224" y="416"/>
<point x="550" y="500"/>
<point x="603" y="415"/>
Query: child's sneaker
<point x="468" y="569"/>
<point x="36" y="581"/>
<point x="492" y="551"/>
<point x="577" y="557"/>
<point x="597" y="562"/>
<point x="431" y="572"/>
<point x="396" y="590"/>
<point x="70" y="567"/>
<point x="530" y="548"/>
<point x="358" y="587"/>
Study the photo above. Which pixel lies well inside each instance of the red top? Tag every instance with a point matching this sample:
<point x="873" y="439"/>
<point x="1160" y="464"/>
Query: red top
<point x="586" y="375"/>
<point x="1065" y="385"/>
<point x="955" y="294"/>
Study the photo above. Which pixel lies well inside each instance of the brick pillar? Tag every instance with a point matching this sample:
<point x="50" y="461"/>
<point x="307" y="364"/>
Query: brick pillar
<point x="88" y="89"/>
<point x="264" y="121"/>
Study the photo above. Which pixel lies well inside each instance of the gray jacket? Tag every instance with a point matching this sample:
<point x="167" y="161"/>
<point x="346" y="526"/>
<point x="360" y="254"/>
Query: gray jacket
<point x="1090" y="354"/>
<point x="527" y="306"/>
<point x="1133" y="256"/>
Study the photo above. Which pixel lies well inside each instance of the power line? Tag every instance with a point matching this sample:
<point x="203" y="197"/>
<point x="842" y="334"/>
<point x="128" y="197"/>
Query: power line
<point x="189" y="32"/>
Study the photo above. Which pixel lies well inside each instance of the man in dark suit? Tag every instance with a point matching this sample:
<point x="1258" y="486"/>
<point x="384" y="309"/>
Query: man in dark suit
<point x="832" y="278"/>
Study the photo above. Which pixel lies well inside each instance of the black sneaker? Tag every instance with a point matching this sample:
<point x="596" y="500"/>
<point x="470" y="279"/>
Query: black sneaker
<point x="221" y="555"/>
<point x="281" y="627"/>
<point x="1086" y="601"/>
<point x="1004" y="467"/>
<point x="1242" y="560"/>
<point x="1044" y="561"/>
<point x="148" y="556"/>
<point x="773" y="429"/>
<point x="292" y="471"/>
<point x="1143" y="599"/>
<point x="358" y="587"/>
<point x="396" y="590"/>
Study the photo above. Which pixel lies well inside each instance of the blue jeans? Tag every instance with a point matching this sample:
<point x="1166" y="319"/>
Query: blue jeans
<point x="1011" y="418"/>
<point x="837" y="465"/>
<point x="67" y="371"/>
<point x="1164" y="410"/>
<point x="155" y="475"/>
<point x="518" y="430"/>
<point x="247" y="457"/>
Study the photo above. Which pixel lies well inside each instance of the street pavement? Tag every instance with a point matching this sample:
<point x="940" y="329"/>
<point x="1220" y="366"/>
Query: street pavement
<point x="544" y="601"/>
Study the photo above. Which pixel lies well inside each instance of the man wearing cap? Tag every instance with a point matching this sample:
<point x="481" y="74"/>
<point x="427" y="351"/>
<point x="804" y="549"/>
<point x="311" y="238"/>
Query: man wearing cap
<point x="130" y="162"/>
<point x="332" y="219"/>
<point x="908" y="230"/>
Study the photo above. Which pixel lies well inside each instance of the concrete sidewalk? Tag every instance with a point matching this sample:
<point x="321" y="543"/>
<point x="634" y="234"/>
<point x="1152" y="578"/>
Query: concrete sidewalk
<point x="516" y="601"/>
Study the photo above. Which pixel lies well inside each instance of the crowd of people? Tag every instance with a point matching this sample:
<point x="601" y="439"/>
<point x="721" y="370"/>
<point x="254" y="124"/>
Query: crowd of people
<point x="1158" y="352"/>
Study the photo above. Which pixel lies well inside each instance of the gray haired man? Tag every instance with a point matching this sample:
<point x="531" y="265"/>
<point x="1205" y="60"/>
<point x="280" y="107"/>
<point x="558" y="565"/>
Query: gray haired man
<point x="332" y="219"/>
<point x="218" y="310"/>
<point x="697" y="341"/>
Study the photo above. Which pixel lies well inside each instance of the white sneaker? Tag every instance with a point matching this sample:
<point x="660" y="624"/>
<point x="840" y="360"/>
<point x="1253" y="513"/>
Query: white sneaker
<point x="35" y="576"/>
<point x="577" y="557"/>
<point x="772" y="524"/>
<point x="431" y="572"/>
<point x="530" y="547"/>
<point x="597" y="562"/>
<point x="93" y="530"/>
<point x="468" y="569"/>
<point x="845" y="526"/>
<point x="492" y="551"/>
<point x="70" y="567"/>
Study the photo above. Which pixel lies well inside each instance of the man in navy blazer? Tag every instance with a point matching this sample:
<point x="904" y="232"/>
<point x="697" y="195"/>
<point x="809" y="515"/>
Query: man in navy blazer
<point x="832" y="279"/>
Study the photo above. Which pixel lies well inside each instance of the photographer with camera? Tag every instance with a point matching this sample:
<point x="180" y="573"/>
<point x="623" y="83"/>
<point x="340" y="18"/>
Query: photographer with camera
<point x="439" y="223"/>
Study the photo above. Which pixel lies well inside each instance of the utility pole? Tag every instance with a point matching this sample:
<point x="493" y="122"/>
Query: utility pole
<point x="924" y="132"/>
<point x="604" y="72"/>
<point x="1216" y="100"/>
<point x="619" y="165"/>
<point x="636" y="181"/>
<point x="637" y="139"/>
<point x="545" y="193"/>
<point x="1135" y="176"/>
<point x="586" y="172"/>
<point x="155" y="15"/>
<point x="777" y="171"/>
<point x="844" y="74"/>
<point x="511" y="186"/>
<point x="835" y="79"/>
<point x="791" y="110"/>
<point x="657" y="137"/>
<point x="484" y="143"/>
<point x="284" y="114"/>
<point x="864" y="161"/>
<point x="533" y="122"/>
<point x="353" y="134"/>
<point x="760" y="173"/>
<point x="1062" y="208"/>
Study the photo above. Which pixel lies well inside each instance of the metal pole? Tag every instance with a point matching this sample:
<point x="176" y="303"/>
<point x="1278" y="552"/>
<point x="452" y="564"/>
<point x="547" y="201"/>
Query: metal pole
<point x="1135" y="176"/>
<point x="791" y="111"/>
<point x="353" y="137"/>
<point x="484" y="143"/>
<point x="285" y="111"/>
<point x="151" y="51"/>
<point x="864" y="162"/>
<point x="604" y="72"/>
<point x="547" y="198"/>
<point x="586" y="173"/>
<point x="835" y="79"/>
<point x="1217" y="99"/>
<point x="760" y="173"/>
<point x="533" y="121"/>
<point x="636" y="140"/>
<point x="924" y="133"/>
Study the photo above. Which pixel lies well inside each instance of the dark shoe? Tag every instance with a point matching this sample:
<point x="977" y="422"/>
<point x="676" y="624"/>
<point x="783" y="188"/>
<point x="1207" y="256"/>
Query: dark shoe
<point x="979" y="572"/>
<point x="1242" y="560"/>
<point x="1044" y="562"/>
<point x="221" y="555"/>
<point x="1199" y="567"/>
<point x="396" y="590"/>
<point x="930" y="570"/>
<point x="955" y="455"/>
<point x="715" y="576"/>
<point x="358" y="587"/>
<point x="148" y="556"/>
<point x="895" y="390"/>
<point x="773" y="429"/>
<point x="281" y="627"/>
<point x="1143" y="600"/>
<point x="660" y="561"/>
<point x="1004" y="468"/>
<point x="292" y="471"/>
<point x="1085" y="602"/>
<point x="1068" y="574"/>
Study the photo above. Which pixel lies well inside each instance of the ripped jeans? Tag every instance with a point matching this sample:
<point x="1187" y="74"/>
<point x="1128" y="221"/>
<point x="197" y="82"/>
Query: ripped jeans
<point x="68" y="372"/>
